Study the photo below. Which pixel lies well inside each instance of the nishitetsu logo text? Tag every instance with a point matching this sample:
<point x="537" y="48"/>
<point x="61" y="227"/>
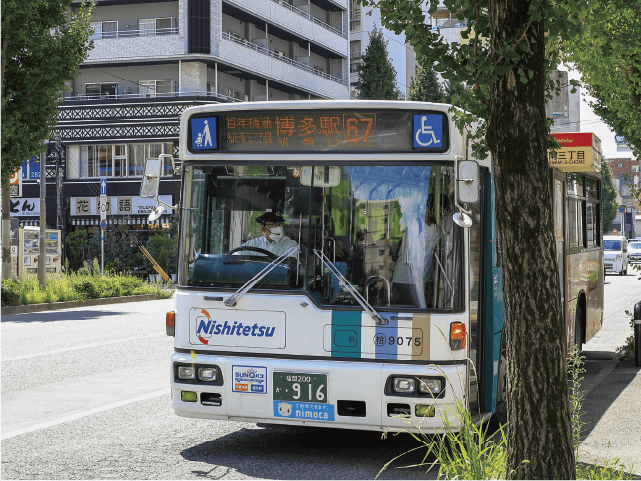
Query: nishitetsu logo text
<point x="209" y="328"/>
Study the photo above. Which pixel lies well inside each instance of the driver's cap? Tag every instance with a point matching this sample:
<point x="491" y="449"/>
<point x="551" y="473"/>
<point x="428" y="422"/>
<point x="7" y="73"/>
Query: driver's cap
<point x="271" y="217"/>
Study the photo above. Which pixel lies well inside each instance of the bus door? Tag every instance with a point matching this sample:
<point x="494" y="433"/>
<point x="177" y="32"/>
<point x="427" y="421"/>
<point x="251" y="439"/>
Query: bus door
<point x="558" y="190"/>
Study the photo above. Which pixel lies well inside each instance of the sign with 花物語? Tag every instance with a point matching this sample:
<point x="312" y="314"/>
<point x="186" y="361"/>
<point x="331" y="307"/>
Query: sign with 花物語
<point x="117" y="205"/>
<point x="579" y="152"/>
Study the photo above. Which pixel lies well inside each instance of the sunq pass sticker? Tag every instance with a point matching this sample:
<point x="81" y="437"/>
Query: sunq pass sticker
<point x="249" y="379"/>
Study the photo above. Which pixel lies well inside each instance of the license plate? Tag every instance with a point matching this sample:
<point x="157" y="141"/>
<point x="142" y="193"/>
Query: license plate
<point x="300" y="387"/>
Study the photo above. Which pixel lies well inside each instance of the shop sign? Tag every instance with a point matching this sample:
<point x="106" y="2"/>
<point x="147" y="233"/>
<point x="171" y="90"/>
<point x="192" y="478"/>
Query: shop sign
<point x="117" y="205"/>
<point x="25" y="207"/>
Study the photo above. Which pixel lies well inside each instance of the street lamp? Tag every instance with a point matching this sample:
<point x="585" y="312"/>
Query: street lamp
<point x="60" y="218"/>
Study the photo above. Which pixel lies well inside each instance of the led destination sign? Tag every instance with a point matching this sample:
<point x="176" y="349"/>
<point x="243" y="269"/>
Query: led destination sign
<point x="324" y="131"/>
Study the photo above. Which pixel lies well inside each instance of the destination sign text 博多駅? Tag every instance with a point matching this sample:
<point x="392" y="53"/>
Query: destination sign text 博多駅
<point x="305" y="131"/>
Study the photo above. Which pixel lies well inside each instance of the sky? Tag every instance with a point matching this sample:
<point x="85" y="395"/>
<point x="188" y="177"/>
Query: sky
<point x="591" y="122"/>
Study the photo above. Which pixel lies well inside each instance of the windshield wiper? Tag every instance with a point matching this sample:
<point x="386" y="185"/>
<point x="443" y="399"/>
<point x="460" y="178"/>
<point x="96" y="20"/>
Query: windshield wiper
<point x="231" y="302"/>
<point x="351" y="289"/>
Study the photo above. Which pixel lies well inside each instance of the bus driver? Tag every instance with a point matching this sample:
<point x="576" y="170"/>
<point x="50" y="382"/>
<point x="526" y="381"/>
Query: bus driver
<point x="273" y="239"/>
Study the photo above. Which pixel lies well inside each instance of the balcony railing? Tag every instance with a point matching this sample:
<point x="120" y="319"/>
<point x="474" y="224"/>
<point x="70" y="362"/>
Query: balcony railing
<point x="282" y="58"/>
<point x="190" y="93"/>
<point x="311" y="18"/>
<point x="146" y="32"/>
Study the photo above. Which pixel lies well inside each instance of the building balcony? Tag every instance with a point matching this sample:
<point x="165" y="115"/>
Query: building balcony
<point x="297" y="21"/>
<point x="271" y="65"/>
<point x="136" y="44"/>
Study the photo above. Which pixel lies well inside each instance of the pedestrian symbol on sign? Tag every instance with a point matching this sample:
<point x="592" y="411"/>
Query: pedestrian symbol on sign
<point x="203" y="133"/>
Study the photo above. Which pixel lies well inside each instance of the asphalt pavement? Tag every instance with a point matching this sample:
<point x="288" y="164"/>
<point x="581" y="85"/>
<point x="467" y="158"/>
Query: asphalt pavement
<point x="611" y="404"/>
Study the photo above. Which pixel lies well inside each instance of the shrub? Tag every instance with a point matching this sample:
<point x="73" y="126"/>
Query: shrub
<point x="76" y="287"/>
<point x="10" y="292"/>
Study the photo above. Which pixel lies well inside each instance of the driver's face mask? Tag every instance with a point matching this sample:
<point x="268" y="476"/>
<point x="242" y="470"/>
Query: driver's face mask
<point x="276" y="233"/>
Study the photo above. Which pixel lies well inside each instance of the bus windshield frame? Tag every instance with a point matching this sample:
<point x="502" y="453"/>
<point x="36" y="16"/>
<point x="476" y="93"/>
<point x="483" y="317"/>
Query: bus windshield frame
<point x="387" y="228"/>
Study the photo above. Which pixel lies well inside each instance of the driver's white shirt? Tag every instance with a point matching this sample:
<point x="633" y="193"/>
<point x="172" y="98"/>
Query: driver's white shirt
<point x="278" y="247"/>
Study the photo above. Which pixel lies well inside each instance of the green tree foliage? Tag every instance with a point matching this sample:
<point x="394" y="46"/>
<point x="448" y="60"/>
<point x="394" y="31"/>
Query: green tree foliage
<point x="76" y="249"/>
<point x="454" y="93"/>
<point x="43" y="43"/>
<point x="425" y="87"/>
<point x="608" y="55"/>
<point x="376" y="74"/>
<point x="608" y="197"/>
<point x="121" y="251"/>
<point x="505" y="58"/>
<point x="163" y="248"/>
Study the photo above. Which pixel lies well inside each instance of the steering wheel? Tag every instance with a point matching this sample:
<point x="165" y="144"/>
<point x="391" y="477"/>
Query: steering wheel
<point x="265" y="252"/>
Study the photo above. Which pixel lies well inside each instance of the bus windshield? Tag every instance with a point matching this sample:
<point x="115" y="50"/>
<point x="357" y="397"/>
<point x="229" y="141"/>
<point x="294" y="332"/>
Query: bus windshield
<point x="387" y="229"/>
<point x="611" y="245"/>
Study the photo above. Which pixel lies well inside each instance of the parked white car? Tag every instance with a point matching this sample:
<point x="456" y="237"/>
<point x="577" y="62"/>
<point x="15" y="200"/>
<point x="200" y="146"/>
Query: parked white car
<point x="634" y="251"/>
<point x="615" y="254"/>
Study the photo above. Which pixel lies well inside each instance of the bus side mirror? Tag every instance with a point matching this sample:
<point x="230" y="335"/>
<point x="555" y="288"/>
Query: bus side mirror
<point x="150" y="179"/>
<point x="468" y="182"/>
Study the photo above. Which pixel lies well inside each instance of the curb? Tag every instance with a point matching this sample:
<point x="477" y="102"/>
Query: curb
<point x="605" y="372"/>
<point x="54" y="306"/>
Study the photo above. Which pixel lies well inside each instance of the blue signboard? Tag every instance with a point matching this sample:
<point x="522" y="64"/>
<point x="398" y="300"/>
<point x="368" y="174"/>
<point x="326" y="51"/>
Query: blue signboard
<point x="428" y="131"/>
<point x="31" y="169"/>
<point x="103" y="186"/>
<point x="203" y="134"/>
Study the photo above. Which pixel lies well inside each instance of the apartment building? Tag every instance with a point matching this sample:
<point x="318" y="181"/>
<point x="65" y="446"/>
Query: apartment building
<point x="153" y="59"/>
<point x="400" y="54"/>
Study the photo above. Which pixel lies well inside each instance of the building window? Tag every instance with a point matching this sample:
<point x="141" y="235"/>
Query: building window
<point x="355" y="50"/>
<point x="116" y="160"/>
<point x="156" y="88"/>
<point x="149" y="27"/>
<point x="620" y="164"/>
<point x="354" y="16"/>
<point x="101" y="90"/>
<point x="100" y="30"/>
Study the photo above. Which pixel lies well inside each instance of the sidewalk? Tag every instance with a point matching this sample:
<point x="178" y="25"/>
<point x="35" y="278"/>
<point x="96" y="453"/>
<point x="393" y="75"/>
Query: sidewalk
<point x="612" y="406"/>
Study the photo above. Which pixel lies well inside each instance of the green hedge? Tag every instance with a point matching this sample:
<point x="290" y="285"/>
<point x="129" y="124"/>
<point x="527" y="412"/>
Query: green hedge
<point x="75" y="287"/>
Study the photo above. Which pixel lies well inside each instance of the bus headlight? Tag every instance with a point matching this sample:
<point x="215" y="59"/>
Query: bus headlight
<point x="430" y="385"/>
<point x="208" y="374"/>
<point x="405" y="385"/>
<point x="186" y="372"/>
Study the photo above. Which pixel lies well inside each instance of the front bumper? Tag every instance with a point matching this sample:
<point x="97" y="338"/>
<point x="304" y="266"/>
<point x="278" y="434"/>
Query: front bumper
<point x="379" y="409"/>
<point x="613" y="266"/>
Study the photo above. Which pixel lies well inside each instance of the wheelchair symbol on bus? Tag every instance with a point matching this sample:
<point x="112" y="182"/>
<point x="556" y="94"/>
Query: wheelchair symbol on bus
<point x="427" y="130"/>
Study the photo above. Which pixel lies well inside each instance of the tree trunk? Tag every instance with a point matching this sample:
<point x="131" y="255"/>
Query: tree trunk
<point x="539" y="428"/>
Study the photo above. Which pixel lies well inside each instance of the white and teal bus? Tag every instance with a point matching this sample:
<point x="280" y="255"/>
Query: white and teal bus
<point x="337" y="267"/>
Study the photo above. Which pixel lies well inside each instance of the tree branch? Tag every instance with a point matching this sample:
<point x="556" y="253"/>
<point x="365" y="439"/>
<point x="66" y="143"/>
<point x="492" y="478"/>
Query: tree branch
<point x="34" y="86"/>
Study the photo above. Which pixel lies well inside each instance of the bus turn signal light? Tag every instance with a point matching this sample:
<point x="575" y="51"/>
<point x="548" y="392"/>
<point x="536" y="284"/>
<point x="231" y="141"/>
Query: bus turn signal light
<point x="170" y="323"/>
<point x="457" y="336"/>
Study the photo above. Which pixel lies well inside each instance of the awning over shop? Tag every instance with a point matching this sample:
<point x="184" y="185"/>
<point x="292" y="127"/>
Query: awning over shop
<point x="119" y="220"/>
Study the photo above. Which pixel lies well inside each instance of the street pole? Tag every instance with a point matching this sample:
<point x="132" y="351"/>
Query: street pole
<point x="59" y="217"/>
<point x="102" y="252"/>
<point x="42" y="268"/>
<point x="6" y="231"/>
